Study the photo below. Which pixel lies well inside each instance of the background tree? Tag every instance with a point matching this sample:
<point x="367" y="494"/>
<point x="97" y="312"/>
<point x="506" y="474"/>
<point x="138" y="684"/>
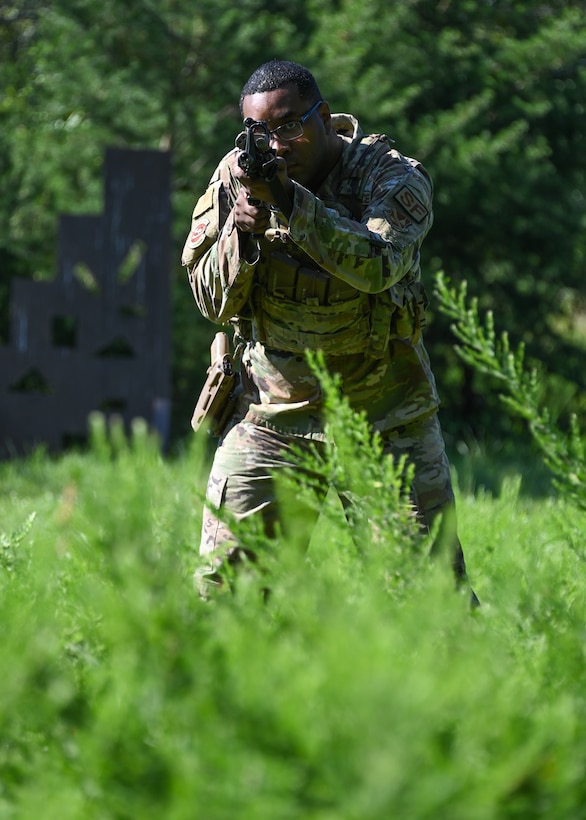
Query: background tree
<point x="80" y="76"/>
<point x="489" y="95"/>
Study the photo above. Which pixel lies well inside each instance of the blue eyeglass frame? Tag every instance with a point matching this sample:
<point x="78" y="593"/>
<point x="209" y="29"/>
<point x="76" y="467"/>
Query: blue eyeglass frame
<point x="301" y="120"/>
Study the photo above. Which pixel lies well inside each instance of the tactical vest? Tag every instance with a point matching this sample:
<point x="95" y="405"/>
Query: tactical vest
<point x="297" y="305"/>
<point x="300" y="307"/>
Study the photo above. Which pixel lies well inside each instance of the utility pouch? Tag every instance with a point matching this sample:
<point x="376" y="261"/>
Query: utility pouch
<point x="218" y="397"/>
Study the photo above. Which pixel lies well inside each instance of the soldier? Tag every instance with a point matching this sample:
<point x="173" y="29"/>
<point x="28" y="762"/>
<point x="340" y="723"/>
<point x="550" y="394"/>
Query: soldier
<point x="326" y="255"/>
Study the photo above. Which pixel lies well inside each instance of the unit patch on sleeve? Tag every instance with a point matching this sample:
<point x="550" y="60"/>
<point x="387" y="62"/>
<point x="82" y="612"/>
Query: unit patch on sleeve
<point x="412" y="204"/>
<point x="198" y="233"/>
<point x="398" y="219"/>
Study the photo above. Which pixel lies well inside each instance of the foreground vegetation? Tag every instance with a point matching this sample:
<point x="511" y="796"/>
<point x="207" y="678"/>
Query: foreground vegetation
<point x="364" y="687"/>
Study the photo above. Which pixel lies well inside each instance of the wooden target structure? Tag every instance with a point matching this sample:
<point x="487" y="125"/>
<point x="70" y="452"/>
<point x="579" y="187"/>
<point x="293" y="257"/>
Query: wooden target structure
<point x="97" y="337"/>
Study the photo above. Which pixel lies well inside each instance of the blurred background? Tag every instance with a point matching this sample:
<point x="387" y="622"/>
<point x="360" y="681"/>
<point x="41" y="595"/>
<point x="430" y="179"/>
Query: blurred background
<point x="489" y="94"/>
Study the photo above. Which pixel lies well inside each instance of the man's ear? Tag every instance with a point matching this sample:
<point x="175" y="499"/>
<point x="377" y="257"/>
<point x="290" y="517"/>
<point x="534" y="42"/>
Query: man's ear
<point x="326" y="116"/>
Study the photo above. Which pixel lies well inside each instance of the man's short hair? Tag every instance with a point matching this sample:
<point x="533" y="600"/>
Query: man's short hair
<point x="277" y="74"/>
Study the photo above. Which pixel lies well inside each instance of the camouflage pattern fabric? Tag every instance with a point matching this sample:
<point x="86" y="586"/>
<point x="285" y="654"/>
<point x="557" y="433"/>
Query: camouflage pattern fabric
<point x="342" y="276"/>
<point x="241" y="484"/>
<point x="241" y="480"/>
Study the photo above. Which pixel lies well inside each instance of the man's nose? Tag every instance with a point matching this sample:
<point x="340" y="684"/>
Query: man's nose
<point x="282" y="147"/>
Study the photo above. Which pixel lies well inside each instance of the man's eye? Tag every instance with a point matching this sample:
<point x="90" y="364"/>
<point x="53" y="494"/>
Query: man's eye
<point x="289" y="127"/>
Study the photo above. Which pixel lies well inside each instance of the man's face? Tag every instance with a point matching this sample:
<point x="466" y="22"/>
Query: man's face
<point x="307" y="156"/>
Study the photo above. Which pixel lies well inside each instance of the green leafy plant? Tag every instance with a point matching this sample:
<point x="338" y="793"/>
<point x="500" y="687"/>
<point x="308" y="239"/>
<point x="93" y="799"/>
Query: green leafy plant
<point x="362" y="688"/>
<point x="9" y="543"/>
<point x="520" y="384"/>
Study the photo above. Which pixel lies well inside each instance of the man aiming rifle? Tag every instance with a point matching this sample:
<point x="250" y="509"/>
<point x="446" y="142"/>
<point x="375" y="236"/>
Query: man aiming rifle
<point x="308" y="238"/>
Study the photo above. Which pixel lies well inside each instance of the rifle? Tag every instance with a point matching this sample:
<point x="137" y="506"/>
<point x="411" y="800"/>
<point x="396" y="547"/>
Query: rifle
<point x="258" y="159"/>
<point x="217" y="398"/>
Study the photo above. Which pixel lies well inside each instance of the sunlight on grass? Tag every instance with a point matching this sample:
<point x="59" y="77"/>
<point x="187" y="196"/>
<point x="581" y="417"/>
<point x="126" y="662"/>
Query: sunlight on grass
<point x="363" y="688"/>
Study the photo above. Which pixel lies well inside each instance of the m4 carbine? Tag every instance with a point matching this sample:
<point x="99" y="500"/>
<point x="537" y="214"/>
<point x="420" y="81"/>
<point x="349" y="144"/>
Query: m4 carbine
<point x="258" y="159"/>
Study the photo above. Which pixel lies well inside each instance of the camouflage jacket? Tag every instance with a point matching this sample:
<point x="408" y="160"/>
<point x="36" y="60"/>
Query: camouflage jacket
<point x="342" y="276"/>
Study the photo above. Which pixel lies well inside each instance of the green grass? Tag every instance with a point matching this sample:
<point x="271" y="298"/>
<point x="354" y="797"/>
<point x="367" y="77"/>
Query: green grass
<point x="364" y="688"/>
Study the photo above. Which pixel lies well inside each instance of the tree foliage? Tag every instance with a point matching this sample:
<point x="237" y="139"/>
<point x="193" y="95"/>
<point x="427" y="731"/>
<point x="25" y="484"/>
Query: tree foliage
<point x="520" y="387"/>
<point x="489" y="95"/>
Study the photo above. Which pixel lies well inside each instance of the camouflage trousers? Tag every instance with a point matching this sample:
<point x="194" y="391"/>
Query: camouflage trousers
<point x="241" y="484"/>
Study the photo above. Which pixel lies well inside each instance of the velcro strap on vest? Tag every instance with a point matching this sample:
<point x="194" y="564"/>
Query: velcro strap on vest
<point x="299" y="308"/>
<point x="336" y="329"/>
<point x="410" y="318"/>
<point x="289" y="279"/>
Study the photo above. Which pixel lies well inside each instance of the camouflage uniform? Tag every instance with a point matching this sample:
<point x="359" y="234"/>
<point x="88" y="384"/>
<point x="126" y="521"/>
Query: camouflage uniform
<point x="343" y="276"/>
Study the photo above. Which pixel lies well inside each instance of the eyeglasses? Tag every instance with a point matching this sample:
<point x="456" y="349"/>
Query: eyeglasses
<point x="294" y="129"/>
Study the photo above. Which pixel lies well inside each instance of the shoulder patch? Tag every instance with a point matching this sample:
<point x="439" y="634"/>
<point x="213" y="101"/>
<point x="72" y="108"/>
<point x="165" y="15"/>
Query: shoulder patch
<point x="198" y="233"/>
<point x="205" y="202"/>
<point x="398" y="219"/>
<point x="411" y="204"/>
